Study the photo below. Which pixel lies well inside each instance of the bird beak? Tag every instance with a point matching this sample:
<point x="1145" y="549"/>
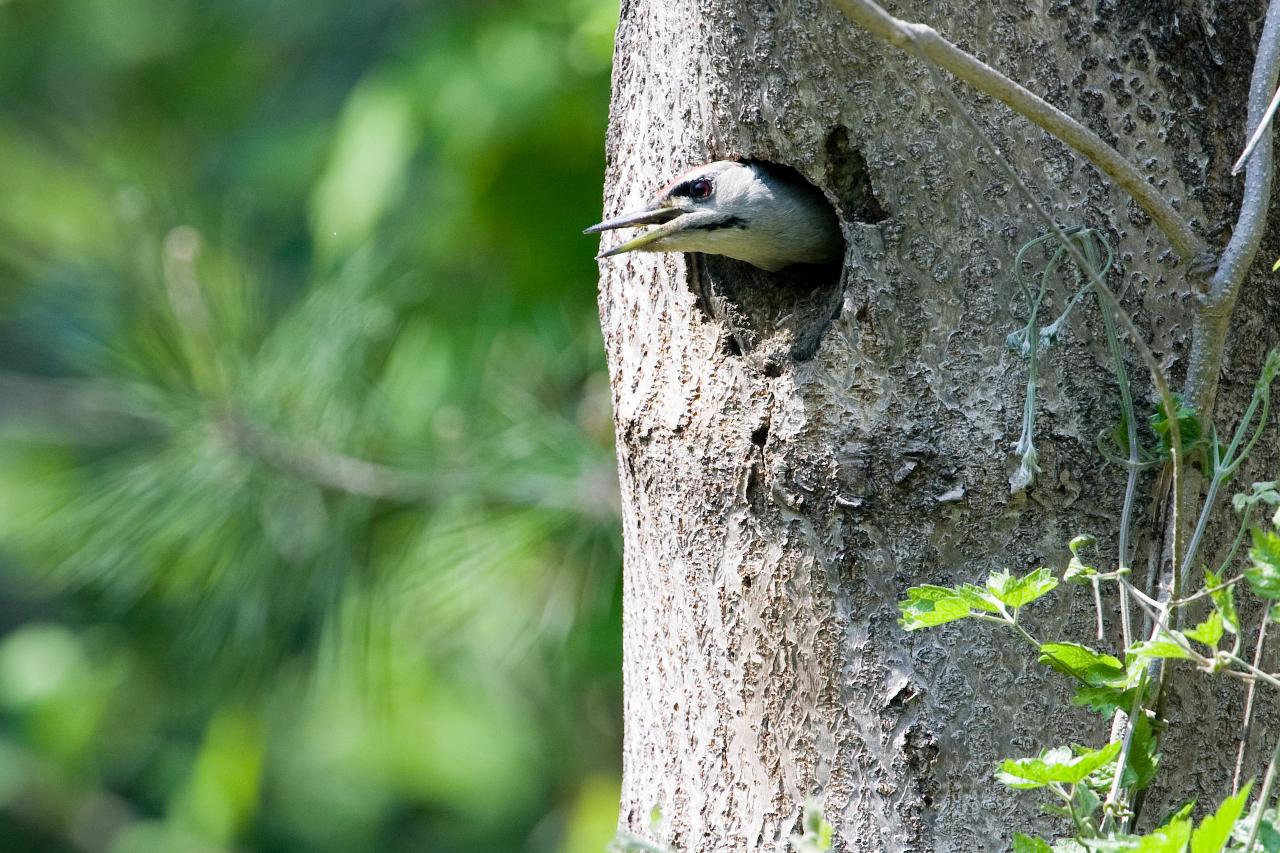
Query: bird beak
<point x="654" y="214"/>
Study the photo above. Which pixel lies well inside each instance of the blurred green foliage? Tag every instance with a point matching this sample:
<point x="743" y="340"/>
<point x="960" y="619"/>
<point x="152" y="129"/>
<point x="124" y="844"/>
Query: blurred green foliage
<point x="308" y="520"/>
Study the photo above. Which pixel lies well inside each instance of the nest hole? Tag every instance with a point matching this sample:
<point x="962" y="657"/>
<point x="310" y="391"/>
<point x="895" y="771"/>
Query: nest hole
<point x="783" y="315"/>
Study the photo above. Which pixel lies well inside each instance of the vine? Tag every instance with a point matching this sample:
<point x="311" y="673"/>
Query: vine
<point x="1100" y="791"/>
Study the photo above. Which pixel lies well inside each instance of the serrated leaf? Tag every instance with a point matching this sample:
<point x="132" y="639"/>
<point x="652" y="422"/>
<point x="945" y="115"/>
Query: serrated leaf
<point x="1264" y="574"/>
<point x="1170" y="838"/>
<point x="928" y="606"/>
<point x="1018" y="592"/>
<point x="1143" y="761"/>
<point x="1060" y="764"/>
<point x="1085" y="801"/>
<point x="1209" y="631"/>
<point x="1027" y="844"/>
<point x="1077" y="572"/>
<point x="1215" y="830"/>
<point x="1267" y="491"/>
<point x="1104" y="700"/>
<point x="978" y="598"/>
<point x="1224" y="601"/>
<point x="1068" y="845"/>
<point x="1082" y="663"/>
<point x="1161" y="649"/>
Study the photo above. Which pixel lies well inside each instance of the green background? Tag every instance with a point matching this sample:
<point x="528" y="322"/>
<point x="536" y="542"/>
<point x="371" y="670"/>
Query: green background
<point x="308" y="513"/>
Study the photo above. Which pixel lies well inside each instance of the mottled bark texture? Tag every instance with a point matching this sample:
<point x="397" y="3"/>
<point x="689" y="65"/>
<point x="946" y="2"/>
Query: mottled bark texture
<point x="784" y="481"/>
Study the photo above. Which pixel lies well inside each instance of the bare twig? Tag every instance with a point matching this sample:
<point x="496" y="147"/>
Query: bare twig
<point x="1257" y="134"/>
<point x="926" y="43"/>
<point x="1209" y="590"/>
<point x="1247" y="724"/>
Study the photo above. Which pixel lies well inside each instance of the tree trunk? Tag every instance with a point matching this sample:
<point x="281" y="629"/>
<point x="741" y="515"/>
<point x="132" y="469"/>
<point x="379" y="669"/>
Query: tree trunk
<point x="777" y="506"/>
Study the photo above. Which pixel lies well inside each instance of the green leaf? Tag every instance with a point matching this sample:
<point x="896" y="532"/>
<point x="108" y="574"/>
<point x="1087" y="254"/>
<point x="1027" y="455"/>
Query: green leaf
<point x="1084" y="540"/>
<point x="1160" y="649"/>
<point x="1082" y="663"/>
<point x="1060" y="764"/>
<point x="1120" y="434"/>
<point x="1182" y="812"/>
<point x="1270" y="370"/>
<point x="1143" y="761"/>
<point x="1068" y="845"/>
<point x="1267" y="492"/>
<point x="1027" y="844"/>
<point x="1224" y="601"/>
<point x="1170" y="838"/>
<point x="818" y="833"/>
<point x="1264" y="574"/>
<point x="1190" y="432"/>
<point x="1104" y="700"/>
<point x="1084" y="800"/>
<point x="928" y="606"/>
<point x="1268" y="836"/>
<point x="1078" y="573"/>
<point x="1017" y="592"/>
<point x="978" y="598"/>
<point x="1214" y="831"/>
<point x="1209" y="631"/>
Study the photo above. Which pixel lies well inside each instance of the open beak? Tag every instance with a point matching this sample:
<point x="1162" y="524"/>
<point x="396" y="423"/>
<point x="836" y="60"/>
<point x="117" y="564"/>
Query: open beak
<point x="652" y="215"/>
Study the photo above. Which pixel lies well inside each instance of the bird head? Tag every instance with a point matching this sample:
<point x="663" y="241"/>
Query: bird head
<point x="740" y="210"/>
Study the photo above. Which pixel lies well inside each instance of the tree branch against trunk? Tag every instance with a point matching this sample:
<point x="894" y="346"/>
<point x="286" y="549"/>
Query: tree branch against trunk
<point x="776" y="508"/>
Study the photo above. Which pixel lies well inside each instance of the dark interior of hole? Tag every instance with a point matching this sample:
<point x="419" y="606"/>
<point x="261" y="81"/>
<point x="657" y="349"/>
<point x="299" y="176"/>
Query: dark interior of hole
<point x="850" y="182"/>
<point x="783" y="314"/>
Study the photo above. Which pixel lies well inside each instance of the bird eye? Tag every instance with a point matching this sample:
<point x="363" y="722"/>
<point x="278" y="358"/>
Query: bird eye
<point x="700" y="188"/>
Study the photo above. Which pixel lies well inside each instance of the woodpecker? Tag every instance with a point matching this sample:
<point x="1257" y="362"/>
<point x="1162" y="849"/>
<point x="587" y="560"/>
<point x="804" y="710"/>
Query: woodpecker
<point x="747" y="211"/>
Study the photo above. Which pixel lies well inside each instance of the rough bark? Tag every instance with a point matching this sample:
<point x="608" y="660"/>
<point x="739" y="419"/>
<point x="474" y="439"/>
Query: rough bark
<point x="777" y="506"/>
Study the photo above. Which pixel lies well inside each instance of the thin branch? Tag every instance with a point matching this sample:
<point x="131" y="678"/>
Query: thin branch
<point x="926" y="43"/>
<point x="1246" y="725"/>
<point x="1209" y="590"/>
<point x="1250" y="671"/>
<point x="1257" y="134"/>
<point x="326" y="468"/>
